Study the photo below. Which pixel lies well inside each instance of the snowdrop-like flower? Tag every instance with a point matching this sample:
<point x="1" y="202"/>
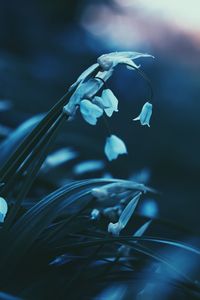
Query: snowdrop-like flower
<point x="84" y="91"/>
<point x="84" y="75"/>
<point x="100" y="102"/>
<point x="109" y="100"/>
<point x="3" y="209"/>
<point x="110" y="60"/>
<point x="106" y="191"/>
<point x="90" y="111"/>
<point x="145" y="115"/>
<point x="114" y="147"/>
<point x="116" y="228"/>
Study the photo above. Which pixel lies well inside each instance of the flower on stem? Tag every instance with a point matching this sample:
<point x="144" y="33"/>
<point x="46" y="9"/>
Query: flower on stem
<point x="84" y="76"/>
<point x="112" y="103"/>
<point x="145" y="115"/>
<point x="3" y="209"/>
<point x="114" y="147"/>
<point x="85" y="90"/>
<point x="109" y="190"/>
<point x="111" y="60"/>
<point x="116" y="228"/>
<point x="90" y="112"/>
<point x="108" y="102"/>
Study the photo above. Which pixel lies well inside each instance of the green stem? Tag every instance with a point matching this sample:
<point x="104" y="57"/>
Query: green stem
<point x="33" y="171"/>
<point x="24" y="149"/>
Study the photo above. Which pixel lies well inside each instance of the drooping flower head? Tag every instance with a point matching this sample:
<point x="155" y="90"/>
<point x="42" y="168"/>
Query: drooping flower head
<point x="90" y="112"/>
<point x="114" y="147"/>
<point x="111" y="60"/>
<point x="92" y="106"/>
<point x="145" y="115"/>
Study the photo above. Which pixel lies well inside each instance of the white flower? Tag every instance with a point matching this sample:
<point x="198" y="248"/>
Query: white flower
<point x="145" y="115"/>
<point x="109" y="61"/>
<point x="99" y="101"/>
<point x="3" y="209"/>
<point x="109" y="100"/>
<point x="106" y="191"/>
<point x="84" y="90"/>
<point x="90" y="111"/>
<point x="114" y="147"/>
<point x="115" y="228"/>
<point x="84" y="75"/>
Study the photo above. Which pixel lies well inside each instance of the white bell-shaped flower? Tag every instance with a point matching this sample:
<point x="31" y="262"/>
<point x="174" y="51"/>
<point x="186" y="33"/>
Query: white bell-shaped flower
<point x="109" y="100"/>
<point x="99" y="101"/>
<point x="110" y="60"/>
<point x="114" y="147"/>
<point x="3" y="209"/>
<point x="90" y="112"/>
<point x="84" y="90"/>
<point x="115" y="228"/>
<point x="145" y="115"/>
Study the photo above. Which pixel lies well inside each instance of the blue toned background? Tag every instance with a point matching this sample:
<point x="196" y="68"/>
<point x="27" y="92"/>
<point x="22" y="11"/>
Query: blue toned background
<point x="45" y="45"/>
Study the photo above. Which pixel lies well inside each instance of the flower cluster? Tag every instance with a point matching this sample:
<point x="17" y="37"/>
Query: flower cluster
<point x="93" y="106"/>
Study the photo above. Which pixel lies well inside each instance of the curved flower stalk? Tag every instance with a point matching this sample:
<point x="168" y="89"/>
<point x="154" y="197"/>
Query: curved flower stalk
<point x="3" y="209"/>
<point x="93" y="106"/>
<point x="116" y="228"/>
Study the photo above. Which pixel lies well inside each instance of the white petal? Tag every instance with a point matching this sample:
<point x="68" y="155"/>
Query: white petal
<point x="90" y="111"/>
<point x="110" y="60"/>
<point x="145" y="115"/>
<point x="84" y="90"/>
<point x="101" y="102"/>
<point x="114" y="228"/>
<point x="114" y="146"/>
<point x="3" y="209"/>
<point x="112" y="102"/>
<point x="100" y="193"/>
<point x="84" y="75"/>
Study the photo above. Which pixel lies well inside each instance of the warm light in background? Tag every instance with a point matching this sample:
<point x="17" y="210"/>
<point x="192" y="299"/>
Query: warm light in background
<point x="183" y="13"/>
<point x="142" y="23"/>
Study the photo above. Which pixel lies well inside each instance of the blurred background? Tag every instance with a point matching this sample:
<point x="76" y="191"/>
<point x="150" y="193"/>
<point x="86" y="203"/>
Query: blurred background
<point x="46" y="44"/>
